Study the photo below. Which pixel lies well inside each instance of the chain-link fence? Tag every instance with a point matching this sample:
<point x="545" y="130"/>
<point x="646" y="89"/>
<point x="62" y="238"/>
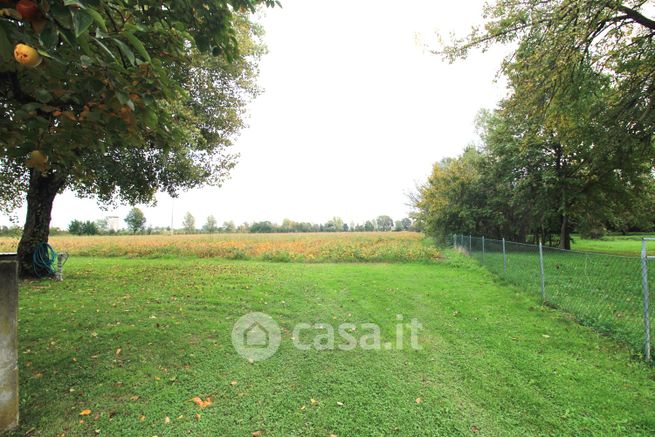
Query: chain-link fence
<point x="606" y="292"/>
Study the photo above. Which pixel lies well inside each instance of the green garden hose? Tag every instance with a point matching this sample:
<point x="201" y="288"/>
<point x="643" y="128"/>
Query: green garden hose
<point x="44" y="260"/>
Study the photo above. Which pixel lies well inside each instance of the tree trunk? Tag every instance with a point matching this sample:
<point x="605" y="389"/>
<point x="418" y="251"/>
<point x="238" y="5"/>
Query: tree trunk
<point x="564" y="236"/>
<point x="40" y="196"/>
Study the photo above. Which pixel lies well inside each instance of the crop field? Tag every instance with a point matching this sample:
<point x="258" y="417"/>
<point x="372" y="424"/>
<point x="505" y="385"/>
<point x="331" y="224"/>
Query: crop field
<point x="139" y="343"/>
<point x="327" y="247"/>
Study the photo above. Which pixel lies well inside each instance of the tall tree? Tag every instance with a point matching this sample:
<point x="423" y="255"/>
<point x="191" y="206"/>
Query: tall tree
<point x="384" y="223"/>
<point x="117" y="100"/>
<point x="189" y="223"/>
<point x="229" y="227"/>
<point x="612" y="37"/>
<point x="211" y="225"/>
<point x="454" y="197"/>
<point x="581" y="114"/>
<point x="136" y="220"/>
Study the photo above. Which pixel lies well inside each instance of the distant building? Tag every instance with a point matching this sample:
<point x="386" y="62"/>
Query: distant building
<point x="113" y="223"/>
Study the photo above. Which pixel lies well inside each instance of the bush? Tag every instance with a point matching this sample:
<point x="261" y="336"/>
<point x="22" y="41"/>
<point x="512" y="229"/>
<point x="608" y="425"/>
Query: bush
<point x="593" y="232"/>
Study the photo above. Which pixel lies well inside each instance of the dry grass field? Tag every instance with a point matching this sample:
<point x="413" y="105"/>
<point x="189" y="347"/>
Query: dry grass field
<point x="323" y="247"/>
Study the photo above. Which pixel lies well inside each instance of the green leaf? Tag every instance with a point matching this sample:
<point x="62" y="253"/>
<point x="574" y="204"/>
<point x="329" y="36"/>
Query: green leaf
<point x="62" y="16"/>
<point x="104" y="48"/>
<point x="83" y="41"/>
<point x="49" y="37"/>
<point x="202" y="42"/>
<point x="138" y="45"/>
<point x="67" y="35"/>
<point x="125" y="50"/>
<point x="97" y="18"/>
<point x="31" y="106"/>
<point x="43" y="96"/>
<point x="82" y="20"/>
<point x="101" y="33"/>
<point x="122" y="98"/>
<point x="45" y="54"/>
<point x="150" y="118"/>
<point x="5" y="45"/>
<point x="86" y="61"/>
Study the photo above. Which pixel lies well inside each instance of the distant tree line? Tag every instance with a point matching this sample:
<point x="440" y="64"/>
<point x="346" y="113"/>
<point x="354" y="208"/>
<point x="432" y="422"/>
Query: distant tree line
<point x="382" y="223"/>
<point x="136" y="224"/>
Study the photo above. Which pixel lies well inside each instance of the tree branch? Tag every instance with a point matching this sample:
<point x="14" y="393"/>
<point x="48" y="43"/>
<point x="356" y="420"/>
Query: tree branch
<point x="637" y="17"/>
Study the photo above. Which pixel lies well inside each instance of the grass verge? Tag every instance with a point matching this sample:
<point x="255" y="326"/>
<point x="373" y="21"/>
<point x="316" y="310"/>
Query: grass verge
<point x="135" y="340"/>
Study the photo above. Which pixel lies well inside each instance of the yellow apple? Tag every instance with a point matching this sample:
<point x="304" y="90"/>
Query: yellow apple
<point x="38" y="160"/>
<point x="27" y="56"/>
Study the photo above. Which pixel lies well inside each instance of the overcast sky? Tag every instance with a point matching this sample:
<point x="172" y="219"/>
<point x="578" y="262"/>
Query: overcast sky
<point x="353" y="115"/>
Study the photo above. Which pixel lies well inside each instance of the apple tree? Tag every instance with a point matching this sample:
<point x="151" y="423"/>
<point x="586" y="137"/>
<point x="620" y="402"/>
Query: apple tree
<point x="119" y="99"/>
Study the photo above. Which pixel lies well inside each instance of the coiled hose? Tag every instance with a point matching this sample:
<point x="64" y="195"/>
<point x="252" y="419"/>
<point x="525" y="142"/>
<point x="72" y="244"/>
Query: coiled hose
<point x="44" y="260"/>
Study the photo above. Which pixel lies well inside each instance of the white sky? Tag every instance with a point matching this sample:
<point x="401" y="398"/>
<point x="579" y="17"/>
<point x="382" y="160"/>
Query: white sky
<point x="353" y="115"/>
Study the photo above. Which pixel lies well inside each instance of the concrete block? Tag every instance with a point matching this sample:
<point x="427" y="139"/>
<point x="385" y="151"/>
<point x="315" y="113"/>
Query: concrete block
<point x="8" y="342"/>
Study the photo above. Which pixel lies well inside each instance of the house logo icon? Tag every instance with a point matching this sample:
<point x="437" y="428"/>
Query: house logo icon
<point x="256" y="336"/>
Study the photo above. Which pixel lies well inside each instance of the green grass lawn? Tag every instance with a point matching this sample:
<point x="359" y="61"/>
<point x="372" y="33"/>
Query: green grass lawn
<point x="603" y="291"/>
<point x="616" y="244"/>
<point x="493" y="362"/>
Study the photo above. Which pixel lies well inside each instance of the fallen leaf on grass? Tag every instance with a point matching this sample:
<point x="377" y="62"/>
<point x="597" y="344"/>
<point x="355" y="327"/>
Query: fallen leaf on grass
<point x="118" y="351"/>
<point x="233" y="383"/>
<point x="314" y="402"/>
<point x="340" y="404"/>
<point x="85" y="412"/>
<point x="256" y="434"/>
<point x="202" y="404"/>
<point x="419" y="400"/>
<point x="142" y="418"/>
<point x="475" y="429"/>
<point x="198" y="416"/>
<point x="167" y="420"/>
<point x="135" y="398"/>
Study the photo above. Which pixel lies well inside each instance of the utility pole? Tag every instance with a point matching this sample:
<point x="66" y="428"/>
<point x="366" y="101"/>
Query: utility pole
<point x="172" y="212"/>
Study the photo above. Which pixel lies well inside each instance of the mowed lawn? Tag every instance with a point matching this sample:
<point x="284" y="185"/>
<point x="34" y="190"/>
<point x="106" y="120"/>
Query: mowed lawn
<point x="628" y="245"/>
<point x="134" y="340"/>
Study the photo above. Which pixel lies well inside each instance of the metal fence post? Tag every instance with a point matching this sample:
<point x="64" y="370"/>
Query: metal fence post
<point x="541" y="264"/>
<point x="504" y="257"/>
<point x="470" y="245"/>
<point x="644" y="283"/>
<point x="482" y="249"/>
<point x="454" y="241"/>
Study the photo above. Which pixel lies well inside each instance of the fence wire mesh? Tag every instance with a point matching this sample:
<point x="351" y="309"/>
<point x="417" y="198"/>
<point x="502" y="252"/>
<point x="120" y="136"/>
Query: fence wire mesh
<point x="601" y="291"/>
